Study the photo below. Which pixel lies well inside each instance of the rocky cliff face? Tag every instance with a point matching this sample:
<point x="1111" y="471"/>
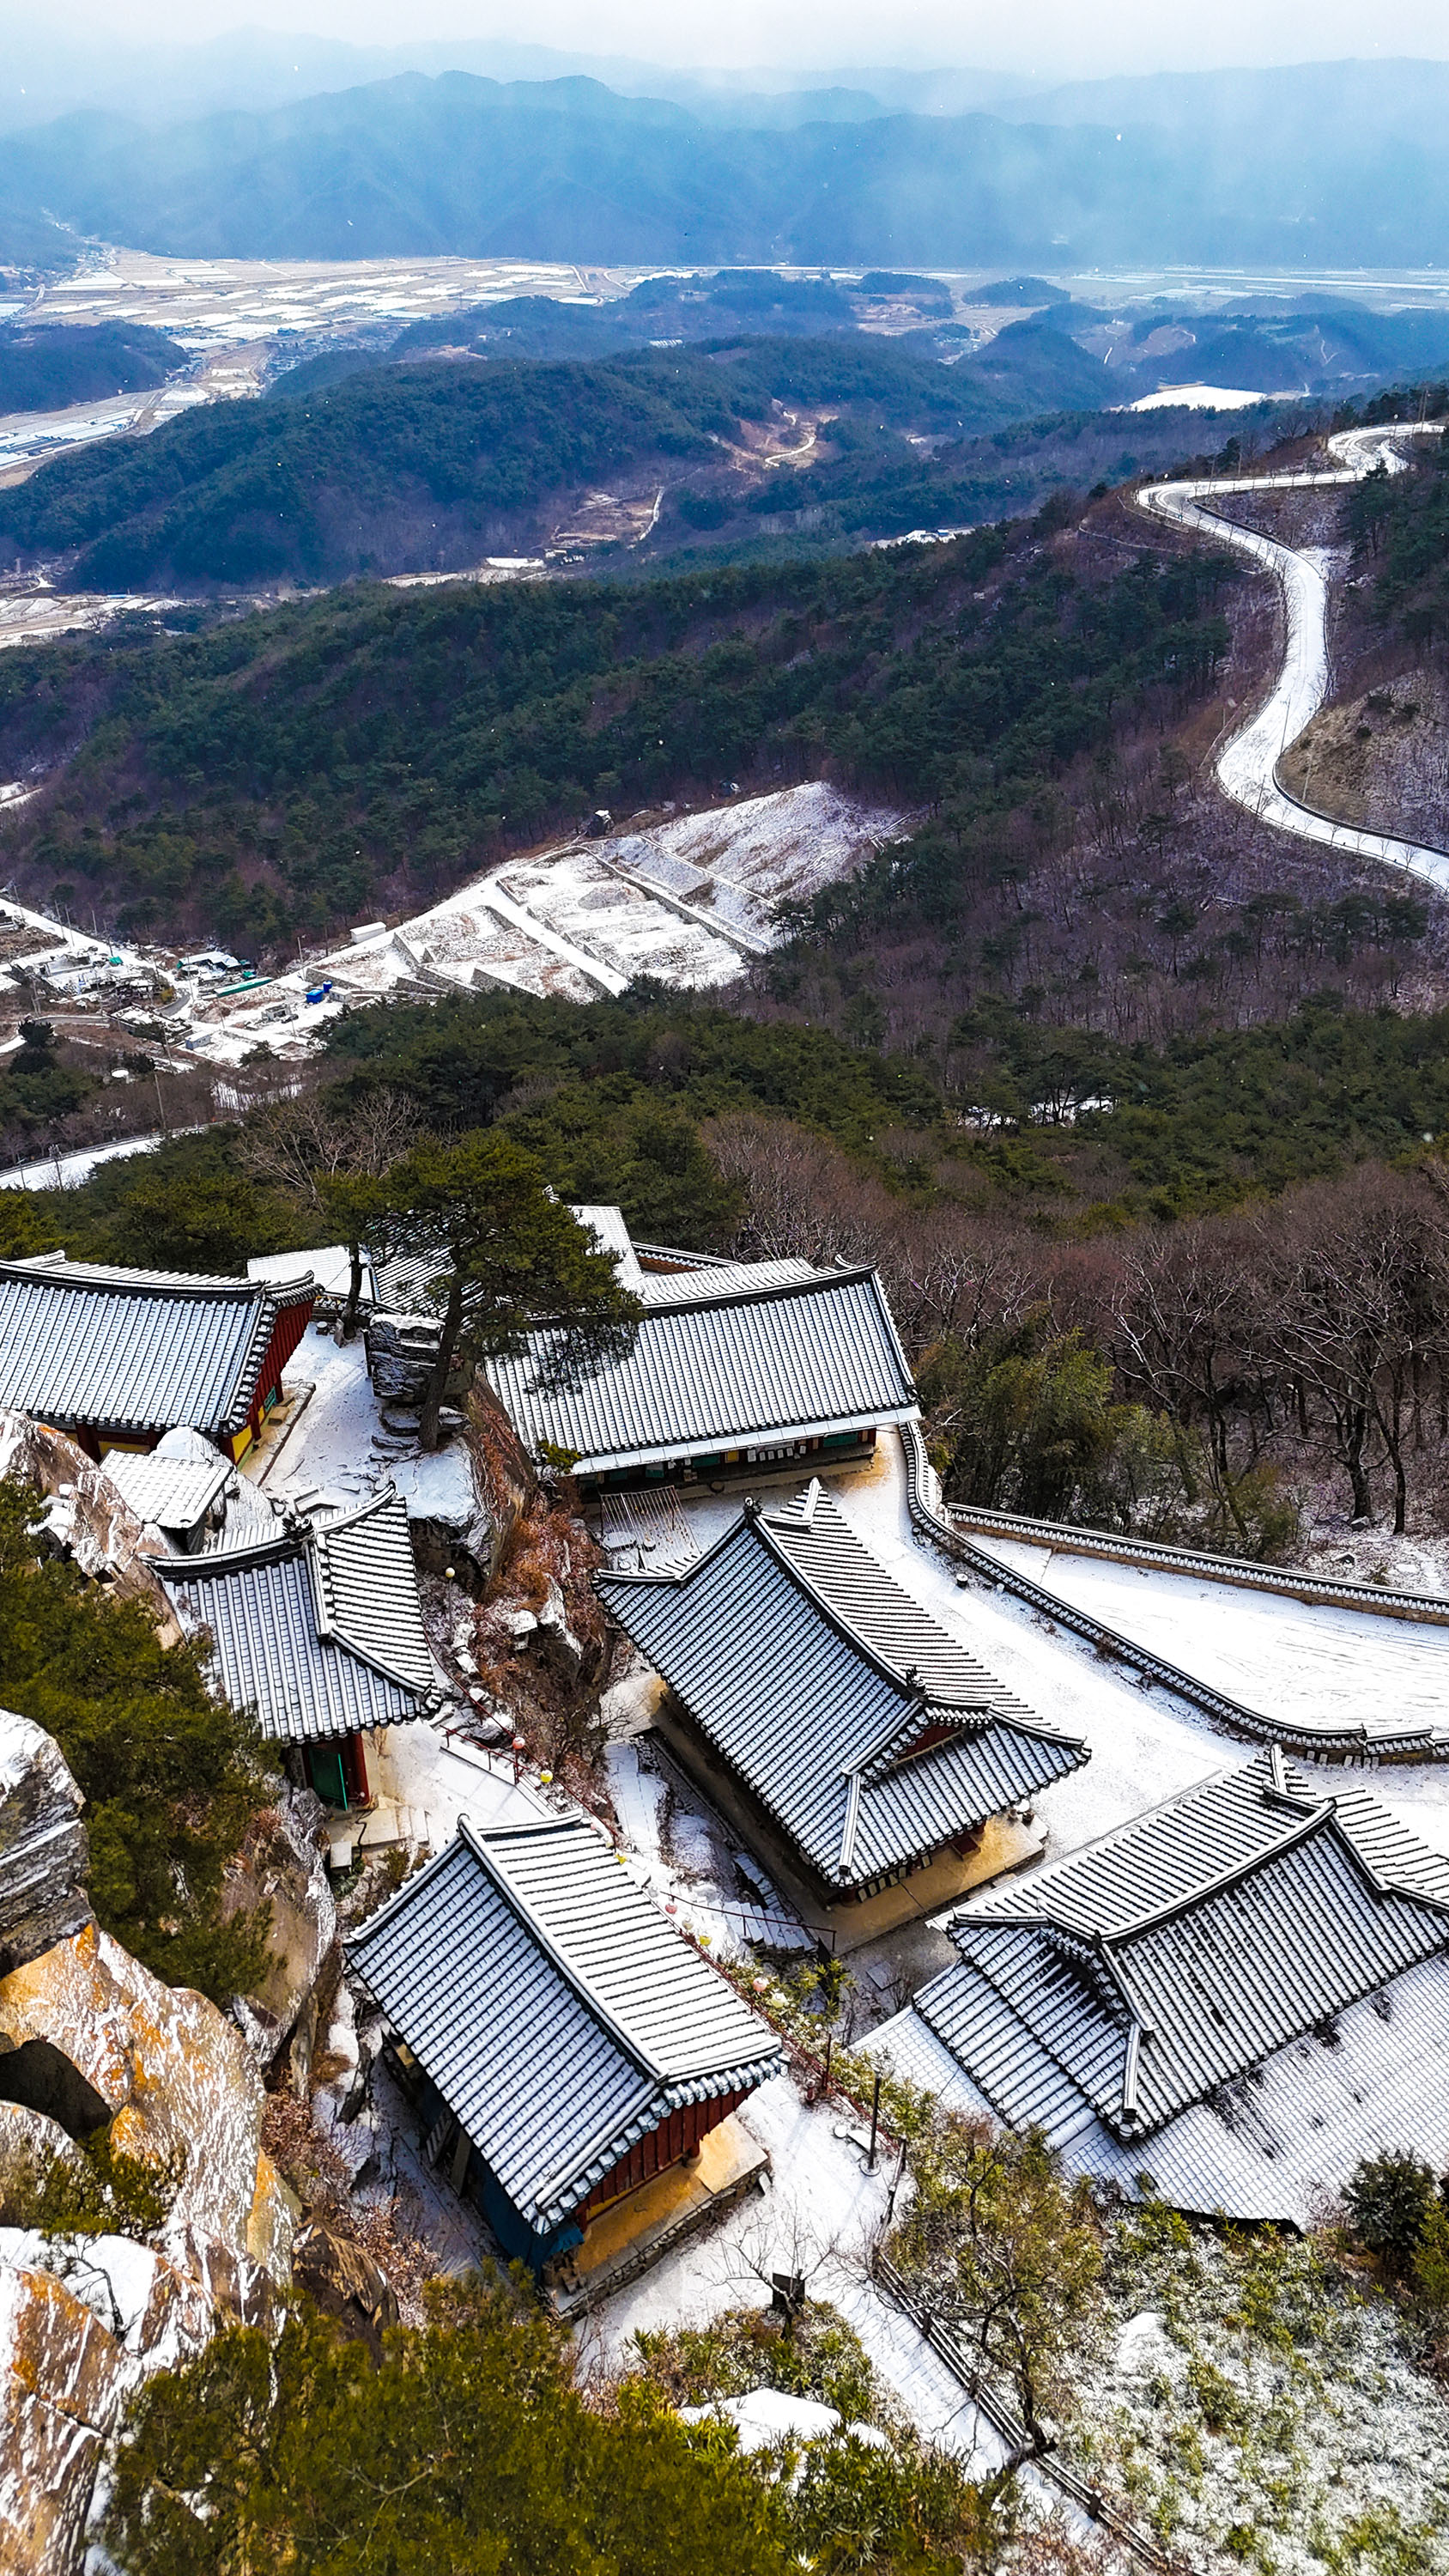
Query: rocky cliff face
<point x="91" y="2041"/>
<point x="280" y="1865"/>
<point x="82" y="2321"/>
<point x="180" y="2090"/>
<point x="86" y="1518"/>
<point x="42" y="1844"/>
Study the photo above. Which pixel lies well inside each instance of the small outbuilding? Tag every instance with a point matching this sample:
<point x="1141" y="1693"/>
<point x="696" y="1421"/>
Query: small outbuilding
<point x="117" y="1357"/>
<point x="319" y="1632"/>
<point x="180" y="1487"/>
<point x="1234" y="1998"/>
<point x="846" y="1728"/>
<point x="574" y="2061"/>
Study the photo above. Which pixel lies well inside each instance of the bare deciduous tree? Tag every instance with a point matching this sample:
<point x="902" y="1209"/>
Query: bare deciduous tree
<point x="318" y="1157"/>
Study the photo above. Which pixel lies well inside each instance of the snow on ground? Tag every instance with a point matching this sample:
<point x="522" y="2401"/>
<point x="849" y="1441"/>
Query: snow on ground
<point x="1247" y="765"/>
<point x="59" y="947"/>
<point x="423" y="1783"/>
<point x="740" y="860"/>
<point x="1317" y="1664"/>
<point x="687" y="899"/>
<point x="210" y="303"/>
<point x="28" y="438"/>
<point x="67" y="1171"/>
<point x="685" y="1854"/>
<point x="621" y="925"/>
<point x="1198" y="398"/>
<point x="330" y="1450"/>
<point x="32" y="616"/>
<point x="818" y="2216"/>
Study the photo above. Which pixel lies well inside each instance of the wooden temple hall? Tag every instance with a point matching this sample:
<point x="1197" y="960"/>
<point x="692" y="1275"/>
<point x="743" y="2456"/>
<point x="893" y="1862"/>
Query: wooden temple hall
<point x="317" y="1629"/>
<point x="575" y="2063"/>
<point x="118" y="1357"/>
<point x="870" y="1757"/>
<point x="737" y="1369"/>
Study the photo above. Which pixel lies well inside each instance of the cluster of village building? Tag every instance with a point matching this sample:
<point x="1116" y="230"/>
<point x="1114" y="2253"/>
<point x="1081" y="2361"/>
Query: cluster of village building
<point x="1231" y="1997"/>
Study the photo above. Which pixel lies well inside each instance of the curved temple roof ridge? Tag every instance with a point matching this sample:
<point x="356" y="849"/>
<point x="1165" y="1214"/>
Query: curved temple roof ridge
<point x="145" y="1283"/>
<point x="1208" y="1839"/>
<point x="560" y="2015"/>
<point x="136" y="1351"/>
<point x="1262" y="1931"/>
<point x="863" y="1730"/>
<point x="319" y="1627"/>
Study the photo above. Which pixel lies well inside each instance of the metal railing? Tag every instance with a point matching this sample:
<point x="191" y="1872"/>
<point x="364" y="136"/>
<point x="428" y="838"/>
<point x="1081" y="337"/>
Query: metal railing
<point x="1003" y="2422"/>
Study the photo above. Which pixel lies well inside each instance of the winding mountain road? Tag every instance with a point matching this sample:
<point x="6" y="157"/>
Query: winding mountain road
<point x="1247" y="765"/>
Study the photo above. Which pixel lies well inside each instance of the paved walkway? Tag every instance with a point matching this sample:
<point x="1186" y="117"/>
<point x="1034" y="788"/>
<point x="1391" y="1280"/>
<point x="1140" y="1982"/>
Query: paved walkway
<point x="1247" y="765"/>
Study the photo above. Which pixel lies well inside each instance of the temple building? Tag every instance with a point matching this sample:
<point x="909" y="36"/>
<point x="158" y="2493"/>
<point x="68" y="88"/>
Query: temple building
<point x="1237" y="1995"/>
<point x="844" y="1730"/>
<point x="574" y="2062"/>
<point x="117" y="1357"/>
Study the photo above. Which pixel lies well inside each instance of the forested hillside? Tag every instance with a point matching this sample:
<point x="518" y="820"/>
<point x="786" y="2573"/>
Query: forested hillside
<point x="1162" y="1287"/>
<point x="425" y="466"/>
<point x="569" y="170"/>
<point x="294" y="770"/>
<point x="44" y="368"/>
<point x="1399" y="526"/>
<point x="317" y="486"/>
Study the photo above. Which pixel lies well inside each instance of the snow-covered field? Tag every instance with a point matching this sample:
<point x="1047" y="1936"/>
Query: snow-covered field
<point x="207" y="302"/>
<point x="1198" y="398"/>
<point x="686" y="898"/>
<point x="67" y="1171"/>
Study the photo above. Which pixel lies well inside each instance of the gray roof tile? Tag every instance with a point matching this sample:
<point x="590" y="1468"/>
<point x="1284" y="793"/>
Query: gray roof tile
<point x="790" y="1648"/>
<point x="318" y="1630"/>
<point x="171" y="1493"/>
<point x="1141" y="1975"/>
<point x="1270" y="2145"/>
<point x="556" y="2011"/>
<point x="738" y="1366"/>
<point x="134" y="1350"/>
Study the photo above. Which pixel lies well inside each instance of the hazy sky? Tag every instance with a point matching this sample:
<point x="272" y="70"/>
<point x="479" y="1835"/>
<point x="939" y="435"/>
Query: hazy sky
<point x="1053" y="38"/>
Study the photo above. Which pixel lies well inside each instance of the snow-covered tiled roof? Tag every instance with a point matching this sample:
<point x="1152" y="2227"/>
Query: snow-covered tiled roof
<point x="708" y="1281"/>
<point x="320" y="1629"/>
<point x="1277" y="2143"/>
<point x="866" y="1732"/>
<point x="134" y="1351"/>
<point x="406" y="1282"/>
<point x="737" y="1366"/>
<point x="329" y="1263"/>
<point x="558" y="2014"/>
<point x="1141" y="1975"/>
<point x="611" y="1234"/>
<point x="172" y="1487"/>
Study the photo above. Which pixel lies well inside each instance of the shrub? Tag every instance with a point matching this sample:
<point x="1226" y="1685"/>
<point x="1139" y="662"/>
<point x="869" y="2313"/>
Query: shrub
<point x="171" y="1775"/>
<point x="1388" y="2199"/>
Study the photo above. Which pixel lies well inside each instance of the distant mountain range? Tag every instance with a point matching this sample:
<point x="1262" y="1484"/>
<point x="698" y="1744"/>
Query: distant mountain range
<point x="1319" y="166"/>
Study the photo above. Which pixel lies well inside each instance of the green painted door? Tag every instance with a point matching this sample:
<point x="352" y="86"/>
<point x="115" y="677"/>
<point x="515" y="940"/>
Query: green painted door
<point x="324" y="1766"/>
